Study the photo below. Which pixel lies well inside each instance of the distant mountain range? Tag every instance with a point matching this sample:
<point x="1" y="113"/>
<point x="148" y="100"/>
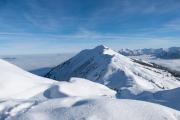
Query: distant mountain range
<point x="170" y="53"/>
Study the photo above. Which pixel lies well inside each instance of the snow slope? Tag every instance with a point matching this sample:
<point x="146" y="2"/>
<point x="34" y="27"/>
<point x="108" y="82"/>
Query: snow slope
<point x="16" y="83"/>
<point x="14" y="80"/>
<point x="25" y="96"/>
<point x="168" y="98"/>
<point x="97" y="109"/>
<point x="105" y="66"/>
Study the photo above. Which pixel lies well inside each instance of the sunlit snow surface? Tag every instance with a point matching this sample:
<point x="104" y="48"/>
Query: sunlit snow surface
<point x="105" y="66"/>
<point x="24" y="96"/>
<point x="78" y="99"/>
<point x="97" y="109"/>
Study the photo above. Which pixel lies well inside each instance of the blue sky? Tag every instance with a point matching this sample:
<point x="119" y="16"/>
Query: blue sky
<point x="57" y="26"/>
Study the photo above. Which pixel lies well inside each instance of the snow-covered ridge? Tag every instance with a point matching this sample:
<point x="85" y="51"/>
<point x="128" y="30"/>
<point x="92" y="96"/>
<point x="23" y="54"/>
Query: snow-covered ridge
<point x="25" y="96"/>
<point x="16" y="83"/>
<point x="169" y="53"/>
<point x="105" y="66"/>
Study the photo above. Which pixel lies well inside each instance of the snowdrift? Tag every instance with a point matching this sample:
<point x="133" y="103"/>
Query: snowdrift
<point x="97" y="109"/>
<point x="16" y="83"/>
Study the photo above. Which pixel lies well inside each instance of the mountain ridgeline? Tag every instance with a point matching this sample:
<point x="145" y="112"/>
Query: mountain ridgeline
<point x="107" y="67"/>
<point x="154" y="92"/>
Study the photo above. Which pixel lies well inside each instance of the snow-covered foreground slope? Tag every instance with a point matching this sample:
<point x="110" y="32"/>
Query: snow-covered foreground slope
<point x="16" y="83"/>
<point x="25" y="96"/>
<point x="97" y="109"/>
<point x="105" y="66"/>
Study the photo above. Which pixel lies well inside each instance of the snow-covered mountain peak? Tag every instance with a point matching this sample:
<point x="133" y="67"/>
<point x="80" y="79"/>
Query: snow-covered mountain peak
<point x="106" y="52"/>
<point x="105" y="66"/>
<point x="101" y="47"/>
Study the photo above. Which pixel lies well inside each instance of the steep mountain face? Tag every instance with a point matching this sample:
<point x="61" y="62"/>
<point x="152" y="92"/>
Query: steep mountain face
<point x="105" y="66"/>
<point x="170" y="53"/>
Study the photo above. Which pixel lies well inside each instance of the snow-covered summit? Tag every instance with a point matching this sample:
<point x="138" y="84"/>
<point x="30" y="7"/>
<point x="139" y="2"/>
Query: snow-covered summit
<point x="105" y="66"/>
<point x="101" y="47"/>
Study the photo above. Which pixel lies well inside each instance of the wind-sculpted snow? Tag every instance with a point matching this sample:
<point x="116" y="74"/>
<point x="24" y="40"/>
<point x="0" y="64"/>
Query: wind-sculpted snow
<point x="17" y="83"/>
<point x="24" y="96"/>
<point x="97" y="109"/>
<point x="20" y="91"/>
<point x="105" y="66"/>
